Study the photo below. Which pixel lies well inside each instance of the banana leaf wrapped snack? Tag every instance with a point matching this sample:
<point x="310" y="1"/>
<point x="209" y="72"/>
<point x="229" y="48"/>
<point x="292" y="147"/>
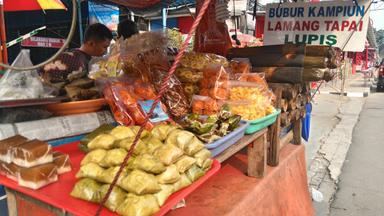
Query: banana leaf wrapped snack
<point x="123" y="132"/>
<point x="90" y="170"/>
<point x="169" y="176"/>
<point x="202" y="156"/>
<point x="149" y="163"/>
<point x="166" y="191"/>
<point x="152" y="143"/>
<point x="115" y="199"/>
<point x="182" y="183"/>
<point x="211" y="128"/>
<point x="113" y="157"/>
<point x="163" y="162"/>
<point x="168" y="153"/>
<point x="108" y="174"/>
<point x="103" y="129"/>
<point x="194" y="173"/>
<point x="162" y="131"/>
<point x="95" y="156"/>
<point x="86" y="189"/>
<point x="184" y="163"/>
<point x="135" y="205"/>
<point x="140" y="183"/>
<point x="102" y="141"/>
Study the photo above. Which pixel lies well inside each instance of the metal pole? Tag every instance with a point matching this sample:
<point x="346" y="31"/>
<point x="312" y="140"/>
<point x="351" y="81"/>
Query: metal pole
<point x="4" y="53"/>
<point x="366" y="58"/>
<point x="164" y="18"/>
<point x="80" y="21"/>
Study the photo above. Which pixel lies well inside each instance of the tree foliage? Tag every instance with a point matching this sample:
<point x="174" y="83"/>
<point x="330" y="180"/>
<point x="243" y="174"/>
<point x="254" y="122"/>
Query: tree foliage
<point x="380" y="41"/>
<point x="380" y="37"/>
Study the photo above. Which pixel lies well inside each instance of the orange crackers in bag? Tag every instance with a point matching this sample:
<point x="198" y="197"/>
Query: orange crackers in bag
<point x="205" y="105"/>
<point x="130" y="103"/>
<point x="215" y="82"/>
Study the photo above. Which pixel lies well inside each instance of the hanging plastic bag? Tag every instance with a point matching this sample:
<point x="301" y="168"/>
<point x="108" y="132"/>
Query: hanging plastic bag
<point x="212" y="33"/>
<point x="145" y="56"/>
<point x="22" y="84"/>
<point x="108" y="66"/>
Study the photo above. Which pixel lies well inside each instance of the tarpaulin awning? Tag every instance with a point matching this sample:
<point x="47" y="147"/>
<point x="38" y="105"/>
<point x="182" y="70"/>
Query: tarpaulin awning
<point x="140" y="4"/>
<point x="29" y="5"/>
<point x="135" y="3"/>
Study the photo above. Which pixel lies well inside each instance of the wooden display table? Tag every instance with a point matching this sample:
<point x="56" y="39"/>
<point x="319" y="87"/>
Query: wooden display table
<point x="283" y="191"/>
<point x="20" y="204"/>
<point x="256" y="152"/>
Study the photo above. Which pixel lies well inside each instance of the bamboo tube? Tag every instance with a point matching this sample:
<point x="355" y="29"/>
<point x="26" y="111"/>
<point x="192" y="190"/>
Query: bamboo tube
<point x="283" y="49"/>
<point x="284" y="105"/>
<point x="315" y="62"/>
<point x="292" y="104"/>
<point x="281" y="74"/>
<point x="313" y="74"/>
<point x="320" y="50"/>
<point x="284" y="119"/>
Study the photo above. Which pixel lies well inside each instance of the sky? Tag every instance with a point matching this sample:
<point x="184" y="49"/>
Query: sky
<point x="377" y="15"/>
<point x="377" y="12"/>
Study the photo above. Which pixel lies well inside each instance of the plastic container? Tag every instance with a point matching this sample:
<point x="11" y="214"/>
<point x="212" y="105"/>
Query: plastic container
<point x="261" y="123"/>
<point x="306" y="122"/>
<point x="225" y="142"/>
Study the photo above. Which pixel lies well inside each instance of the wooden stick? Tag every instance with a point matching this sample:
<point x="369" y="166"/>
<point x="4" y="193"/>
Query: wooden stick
<point x="299" y="100"/>
<point x="286" y="139"/>
<point x="303" y="112"/>
<point x="274" y="135"/>
<point x="297" y="132"/>
<point x="284" y="105"/>
<point x="285" y="119"/>
<point x="257" y="155"/>
<point x="292" y="104"/>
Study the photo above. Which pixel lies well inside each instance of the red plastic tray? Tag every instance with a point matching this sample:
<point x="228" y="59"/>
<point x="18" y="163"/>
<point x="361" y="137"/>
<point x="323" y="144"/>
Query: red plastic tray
<point x="57" y="194"/>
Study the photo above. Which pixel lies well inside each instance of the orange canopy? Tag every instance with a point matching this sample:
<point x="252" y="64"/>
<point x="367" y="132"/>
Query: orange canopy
<point x="28" y="5"/>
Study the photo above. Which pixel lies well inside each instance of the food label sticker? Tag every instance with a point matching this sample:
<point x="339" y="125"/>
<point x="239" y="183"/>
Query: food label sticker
<point x="158" y="114"/>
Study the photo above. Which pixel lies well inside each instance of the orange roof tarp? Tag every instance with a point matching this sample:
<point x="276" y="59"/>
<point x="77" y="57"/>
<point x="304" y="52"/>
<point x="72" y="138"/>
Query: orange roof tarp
<point x="29" y="5"/>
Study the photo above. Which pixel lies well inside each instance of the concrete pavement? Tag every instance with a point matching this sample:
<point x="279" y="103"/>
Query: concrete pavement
<point x="361" y="186"/>
<point x="333" y="120"/>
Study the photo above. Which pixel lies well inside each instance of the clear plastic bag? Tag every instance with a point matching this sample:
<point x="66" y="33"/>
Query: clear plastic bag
<point x="250" y="100"/>
<point x="130" y="101"/>
<point x="240" y="66"/>
<point x="145" y="56"/>
<point x="200" y="61"/>
<point x="24" y="84"/>
<point x="190" y="72"/>
<point x="215" y="82"/>
<point x="250" y="109"/>
<point x="174" y="97"/>
<point x="108" y="66"/>
<point x="258" y="78"/>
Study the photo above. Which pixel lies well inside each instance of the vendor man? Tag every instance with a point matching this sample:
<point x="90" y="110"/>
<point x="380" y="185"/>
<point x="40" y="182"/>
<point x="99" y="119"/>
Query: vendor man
<point x="126" y="29"/>
<point x="72" y="65"/>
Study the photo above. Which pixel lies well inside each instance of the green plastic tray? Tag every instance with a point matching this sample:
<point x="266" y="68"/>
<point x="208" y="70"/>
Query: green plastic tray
<point x="259" y="124"/>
